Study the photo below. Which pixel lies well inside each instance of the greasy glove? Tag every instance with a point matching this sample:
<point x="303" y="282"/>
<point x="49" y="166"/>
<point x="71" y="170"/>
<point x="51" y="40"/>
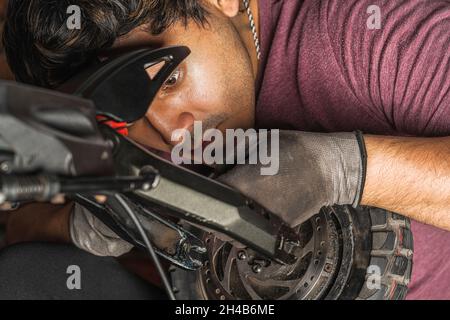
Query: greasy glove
<point x="90" y="234"/>
<point x="316" y="170"/>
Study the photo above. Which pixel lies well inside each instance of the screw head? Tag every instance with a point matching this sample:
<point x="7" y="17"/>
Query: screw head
<point x="5" y="167"/>
<point x="146" y="186"/>
<point x="328" y="268"/>
<point x="257" y="268"/>
<point x="242" y="255"/>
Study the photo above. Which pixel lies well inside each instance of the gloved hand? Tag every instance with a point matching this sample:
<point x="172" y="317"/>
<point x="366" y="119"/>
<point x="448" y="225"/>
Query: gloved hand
<point x="91" y="235"/>
<point x="316" y="170"/>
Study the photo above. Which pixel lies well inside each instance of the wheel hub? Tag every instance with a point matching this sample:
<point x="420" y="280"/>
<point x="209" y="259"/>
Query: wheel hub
<point x="233" y="273"/>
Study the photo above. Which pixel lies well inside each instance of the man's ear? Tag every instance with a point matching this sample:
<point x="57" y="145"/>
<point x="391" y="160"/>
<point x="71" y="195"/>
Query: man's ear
<point x="230" y="8"/>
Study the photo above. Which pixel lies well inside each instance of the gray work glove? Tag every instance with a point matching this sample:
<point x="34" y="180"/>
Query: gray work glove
<point x="90" y="234"/>
<point x="316" y="170"/>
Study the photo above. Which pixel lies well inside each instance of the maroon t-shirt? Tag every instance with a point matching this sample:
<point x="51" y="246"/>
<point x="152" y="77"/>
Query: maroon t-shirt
<point x="323" y="69"/>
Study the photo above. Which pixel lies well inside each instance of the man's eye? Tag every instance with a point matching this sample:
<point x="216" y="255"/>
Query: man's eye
<point x="172" y="80"/>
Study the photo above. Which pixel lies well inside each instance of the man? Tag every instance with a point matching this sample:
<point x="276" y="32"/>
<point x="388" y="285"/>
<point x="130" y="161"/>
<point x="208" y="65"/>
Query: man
<point x="323" y="68"/>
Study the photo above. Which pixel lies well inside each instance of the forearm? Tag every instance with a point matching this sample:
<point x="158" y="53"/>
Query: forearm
<point x="410" y="176"/>
<point x="39" y="222"/>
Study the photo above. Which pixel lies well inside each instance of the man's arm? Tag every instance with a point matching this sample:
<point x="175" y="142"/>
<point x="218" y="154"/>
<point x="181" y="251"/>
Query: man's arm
<point x="38" y="222"/>
<point x="400" y="71"/>
<point x="410" y="176"/>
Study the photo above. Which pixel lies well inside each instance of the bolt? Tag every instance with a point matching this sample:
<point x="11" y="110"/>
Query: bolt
<point x="146" y="186"/>
<point x="242" y="255"/>
<point x="328" y="268"/>
<point x="5" y="167"/>
<point x="257" y="268"/>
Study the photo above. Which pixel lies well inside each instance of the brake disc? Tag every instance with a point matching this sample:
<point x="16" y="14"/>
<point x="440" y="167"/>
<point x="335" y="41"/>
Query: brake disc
<point x="233" y="273"/>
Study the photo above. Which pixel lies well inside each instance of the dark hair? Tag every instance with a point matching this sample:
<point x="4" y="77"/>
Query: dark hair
<point x="43" y="51"/>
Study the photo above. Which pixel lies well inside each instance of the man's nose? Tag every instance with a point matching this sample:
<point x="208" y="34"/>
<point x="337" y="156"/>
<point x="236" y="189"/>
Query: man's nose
<point x="166" y="124"/>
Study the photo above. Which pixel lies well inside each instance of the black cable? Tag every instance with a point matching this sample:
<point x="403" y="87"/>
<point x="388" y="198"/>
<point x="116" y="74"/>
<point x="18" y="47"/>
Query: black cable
<point x="148" y="244"/>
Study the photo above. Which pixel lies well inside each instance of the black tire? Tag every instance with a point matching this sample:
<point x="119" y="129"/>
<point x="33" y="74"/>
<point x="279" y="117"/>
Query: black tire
<point x="392" y="252"/>
<point x="375" y="252"/>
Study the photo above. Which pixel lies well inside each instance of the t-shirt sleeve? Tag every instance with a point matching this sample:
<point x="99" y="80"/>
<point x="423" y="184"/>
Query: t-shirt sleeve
<point x="395" y="56"/>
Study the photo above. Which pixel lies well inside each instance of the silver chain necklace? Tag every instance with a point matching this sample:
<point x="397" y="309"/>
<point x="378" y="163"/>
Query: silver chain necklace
<point x="253" y="28"/>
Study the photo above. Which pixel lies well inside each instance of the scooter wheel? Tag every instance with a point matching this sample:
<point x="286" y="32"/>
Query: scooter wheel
<point x="350" y="254"/>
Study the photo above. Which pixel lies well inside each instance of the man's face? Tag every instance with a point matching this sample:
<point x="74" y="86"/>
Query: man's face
<point x="215" y="84"/>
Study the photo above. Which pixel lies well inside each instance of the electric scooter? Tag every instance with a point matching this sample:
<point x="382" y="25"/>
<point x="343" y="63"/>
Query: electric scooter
<point x="221" y="244"/>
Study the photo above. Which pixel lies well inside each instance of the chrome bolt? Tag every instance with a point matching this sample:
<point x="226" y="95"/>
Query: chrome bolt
<point x="5" y="167"/>
<point x="242" y="255"/>
<point x="257" y="268"/>
<point x="146" y="186"/>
